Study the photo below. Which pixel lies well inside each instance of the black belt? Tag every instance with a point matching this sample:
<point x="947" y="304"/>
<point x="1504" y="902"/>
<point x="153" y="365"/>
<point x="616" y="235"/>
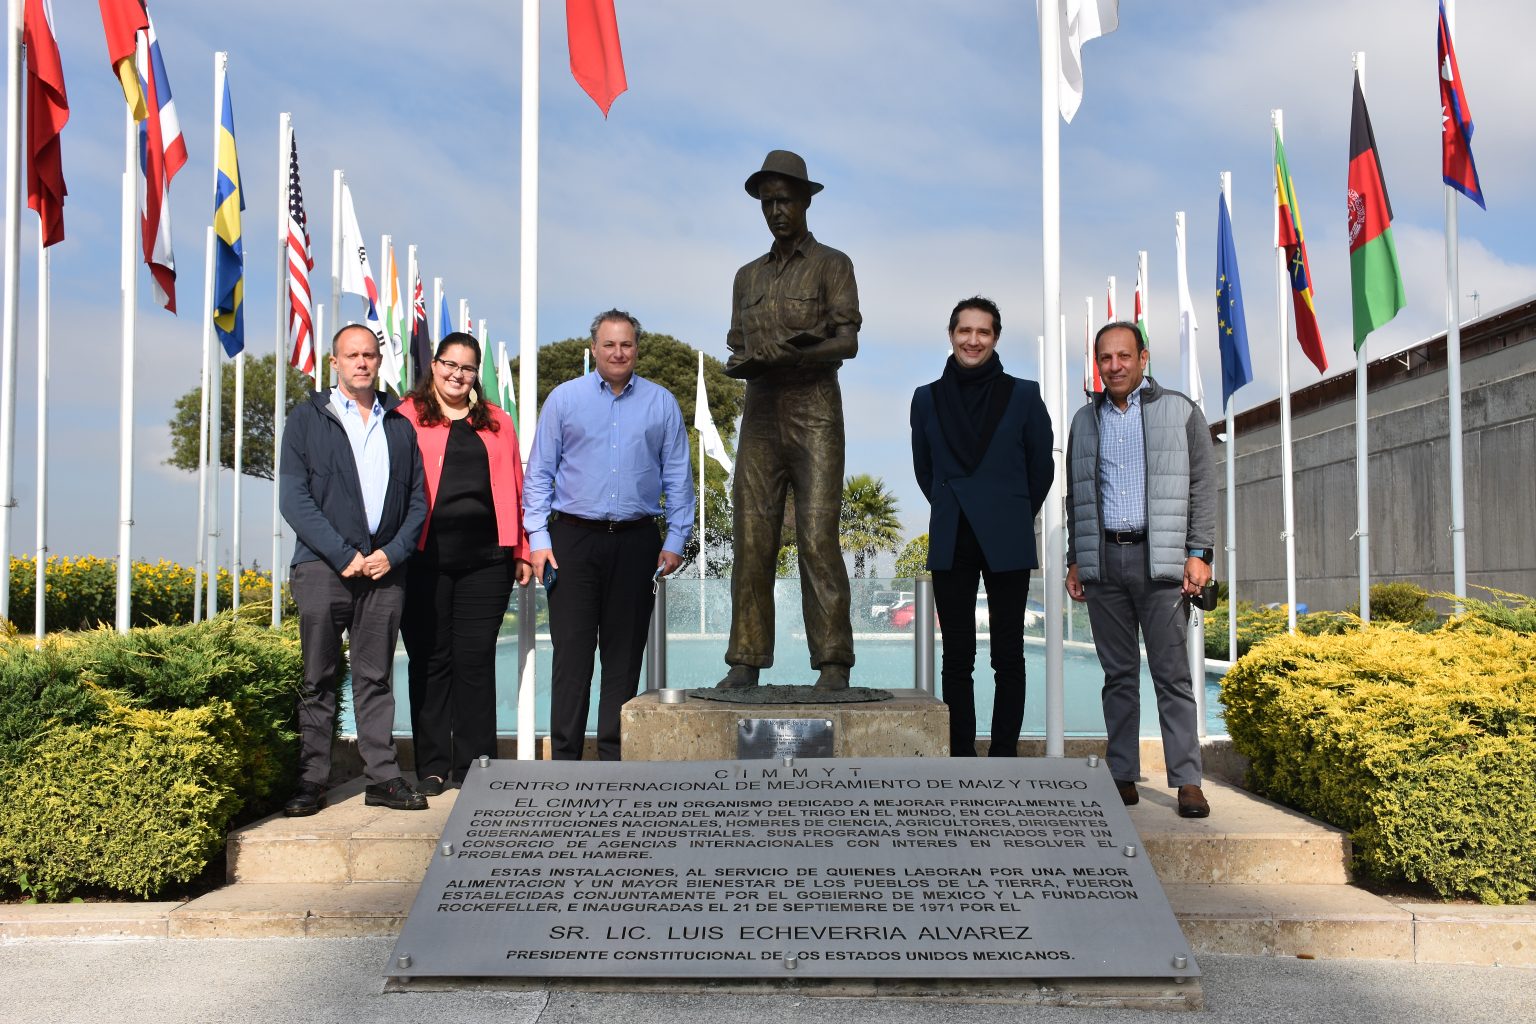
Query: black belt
<point x="604" y="525"/>
<point x="1125" y="536"/>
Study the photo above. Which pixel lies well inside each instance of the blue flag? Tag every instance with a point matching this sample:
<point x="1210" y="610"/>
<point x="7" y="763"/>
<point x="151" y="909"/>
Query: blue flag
<point x="229" y="253"/>
<point x="1231" y="324"/>
<point x="444" y="321"/>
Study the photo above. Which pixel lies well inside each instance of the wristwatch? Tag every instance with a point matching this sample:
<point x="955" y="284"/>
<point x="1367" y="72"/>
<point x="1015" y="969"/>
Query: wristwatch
<point x="1204" y="554"/>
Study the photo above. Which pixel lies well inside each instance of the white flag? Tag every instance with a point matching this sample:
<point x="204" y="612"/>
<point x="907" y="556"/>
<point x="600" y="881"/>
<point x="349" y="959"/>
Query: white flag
<point x="356" y="271"/>
<point x="704" y="423"/>
<point x="1081" y="20"/>
<point x="1188" y="328"/>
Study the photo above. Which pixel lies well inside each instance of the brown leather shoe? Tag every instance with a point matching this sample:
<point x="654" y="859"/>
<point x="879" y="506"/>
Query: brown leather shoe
<point x="832" y="677"/>
<point x="1192" y="803"/>
<point x="740" y="677"/>
<point x="1128" y="794"/>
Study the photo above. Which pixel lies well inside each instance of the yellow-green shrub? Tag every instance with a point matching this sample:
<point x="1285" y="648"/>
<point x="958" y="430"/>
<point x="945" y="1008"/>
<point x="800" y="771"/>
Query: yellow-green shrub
<point x="81" y="593"/>
<point x="1421" y="745"/>
<point x="134" y="803"/>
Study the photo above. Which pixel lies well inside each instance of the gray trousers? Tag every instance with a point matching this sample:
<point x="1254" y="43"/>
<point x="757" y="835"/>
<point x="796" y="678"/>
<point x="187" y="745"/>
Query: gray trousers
<point x="1123" y="600"/>
<point x="369" y="613"/>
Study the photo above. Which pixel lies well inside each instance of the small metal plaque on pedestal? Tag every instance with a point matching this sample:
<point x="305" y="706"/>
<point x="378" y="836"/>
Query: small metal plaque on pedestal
<point x="759" y="738"/>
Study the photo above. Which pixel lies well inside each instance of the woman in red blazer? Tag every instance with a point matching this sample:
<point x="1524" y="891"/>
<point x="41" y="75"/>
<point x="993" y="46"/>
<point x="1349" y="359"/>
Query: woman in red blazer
<point x="471" y="551"/>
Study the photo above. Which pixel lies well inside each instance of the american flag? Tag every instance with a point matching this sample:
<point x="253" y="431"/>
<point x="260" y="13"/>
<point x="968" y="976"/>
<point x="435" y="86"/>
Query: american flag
<point x="301" y="321"/>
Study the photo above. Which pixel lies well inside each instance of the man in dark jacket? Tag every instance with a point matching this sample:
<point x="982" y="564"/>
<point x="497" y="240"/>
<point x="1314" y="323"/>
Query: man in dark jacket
<point x="1141" y="506"/>
<point x="981" y="449"/>
<point x="351" y="485"/>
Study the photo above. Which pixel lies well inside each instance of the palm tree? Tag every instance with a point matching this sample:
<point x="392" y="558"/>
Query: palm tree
<point x="867" y="522"/>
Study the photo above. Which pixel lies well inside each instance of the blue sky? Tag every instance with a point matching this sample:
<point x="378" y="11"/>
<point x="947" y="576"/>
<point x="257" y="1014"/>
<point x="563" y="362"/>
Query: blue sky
<point x="921" y="118"/>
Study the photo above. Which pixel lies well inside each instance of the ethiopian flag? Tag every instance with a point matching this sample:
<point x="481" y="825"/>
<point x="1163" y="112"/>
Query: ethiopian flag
<point x="1377" y="281"/>
<point x="1290" y="238"/>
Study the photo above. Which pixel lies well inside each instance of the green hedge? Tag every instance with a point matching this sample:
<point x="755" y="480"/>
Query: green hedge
<point x="82" y="592"/>
<point x="1422" y="745"/>
<point x="124" y="759"/>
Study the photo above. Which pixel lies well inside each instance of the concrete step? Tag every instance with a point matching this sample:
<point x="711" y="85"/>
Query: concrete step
<point x="1245" y="840"/>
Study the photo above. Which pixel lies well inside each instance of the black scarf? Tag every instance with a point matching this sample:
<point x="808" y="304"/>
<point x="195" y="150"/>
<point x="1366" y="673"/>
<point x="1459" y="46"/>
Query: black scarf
<point x="970" y="402"/>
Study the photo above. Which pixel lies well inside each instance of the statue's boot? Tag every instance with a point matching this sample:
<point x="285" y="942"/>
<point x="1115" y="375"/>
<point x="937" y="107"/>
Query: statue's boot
<point x="740" y="677"/>
<point x="833" y="677"/>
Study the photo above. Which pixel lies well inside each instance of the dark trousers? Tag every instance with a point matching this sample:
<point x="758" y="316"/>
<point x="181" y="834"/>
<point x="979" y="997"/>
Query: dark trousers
<point x="954" y="598"/>
<point x="369" y="613"/>
<point x="450" y="626"/>
<point x="601" y="601"/>
<point x="1123" y="600"/>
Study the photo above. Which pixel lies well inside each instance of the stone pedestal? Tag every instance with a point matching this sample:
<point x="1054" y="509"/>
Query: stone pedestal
<point x="911" y="724"/>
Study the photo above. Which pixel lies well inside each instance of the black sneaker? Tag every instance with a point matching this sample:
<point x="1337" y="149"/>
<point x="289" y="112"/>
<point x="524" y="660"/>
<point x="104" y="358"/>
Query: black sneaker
<point x="308" y="800"/>
<point x="396" y="794"/>
<point x="432" y="785"/>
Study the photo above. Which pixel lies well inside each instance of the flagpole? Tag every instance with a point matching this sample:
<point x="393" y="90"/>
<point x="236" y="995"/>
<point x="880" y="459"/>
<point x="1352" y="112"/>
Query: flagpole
<point x="336" y="179"/>
<point x="1231" y="446"/>
<point x="283" y="348"/>
<point x="1053" y="521"/>
<point x="215" y="428"/>
<point x="1143" y="289"/>
<point x="408" y="329"/>
<point x="528" y="345"/>
<point x="1288" y="496"/>
<point x="1453" y="372"/>
<point x="1195" y="636"/>
<point x="702" y="535"/>
<point x="44" y="325"/>
<point x="1362" y="444"/>
<point x="236" y="566"/>
<point x="125" y="403"/>
<point x="204" y="403"/>
<point x="434" y="318"/>
<point x="321" y="355"/>
<point x="464" y="324"/>
<point x="15" y="202"/>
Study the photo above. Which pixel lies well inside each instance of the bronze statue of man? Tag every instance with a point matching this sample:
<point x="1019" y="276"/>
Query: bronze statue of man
<point x="794" y="319"/>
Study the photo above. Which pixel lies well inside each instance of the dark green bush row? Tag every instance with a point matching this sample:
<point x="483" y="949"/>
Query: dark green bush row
<point x="125" y="758"/>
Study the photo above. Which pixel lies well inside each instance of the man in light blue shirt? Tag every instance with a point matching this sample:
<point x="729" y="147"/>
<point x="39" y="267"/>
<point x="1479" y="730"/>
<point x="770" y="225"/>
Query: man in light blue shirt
<point x="609" y="456"/>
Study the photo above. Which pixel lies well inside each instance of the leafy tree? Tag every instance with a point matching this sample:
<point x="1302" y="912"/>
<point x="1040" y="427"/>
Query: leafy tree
<point x="867" y="522"/>
<point x="675" y="366"/>
<point x="259" y="382"/>
<point x="913" y="560"/>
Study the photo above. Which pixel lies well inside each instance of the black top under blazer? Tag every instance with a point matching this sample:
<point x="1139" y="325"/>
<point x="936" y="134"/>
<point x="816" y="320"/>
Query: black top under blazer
<point x="1005" y="493"/>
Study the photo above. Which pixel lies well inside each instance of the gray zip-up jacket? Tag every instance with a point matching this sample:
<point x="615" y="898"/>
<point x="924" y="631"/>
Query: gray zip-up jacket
<point x="1181" y="485"/>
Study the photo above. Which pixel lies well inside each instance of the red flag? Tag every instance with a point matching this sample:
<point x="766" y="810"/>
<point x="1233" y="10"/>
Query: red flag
<point x="1456" y="164"/>
<point x="47" y="113"/>
<point x="597" y="62"/>
<point x="123" y="20"/>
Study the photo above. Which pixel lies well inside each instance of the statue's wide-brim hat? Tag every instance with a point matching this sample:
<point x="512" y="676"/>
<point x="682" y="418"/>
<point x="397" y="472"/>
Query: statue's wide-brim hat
<point x="785" y="164"/>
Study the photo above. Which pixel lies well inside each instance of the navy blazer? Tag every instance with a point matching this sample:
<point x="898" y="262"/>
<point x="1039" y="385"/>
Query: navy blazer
<point x="1002" y="497"/>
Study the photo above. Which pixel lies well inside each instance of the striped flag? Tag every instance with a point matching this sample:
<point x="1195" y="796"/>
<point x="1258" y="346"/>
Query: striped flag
<point x="490" y="382"/>
<point x="1377" y="283"/>
<point x="1291" y="239"/>
<point x="1139" y="299"/>
<point x="47" y="113"/>
<point x="301" y="260"/>
<point x="508" y="385"/>
<point x="396" y="367"/>
<point x="597" y="60"/>
<point x="228" y="250"/>
<point x="162" y="152"/>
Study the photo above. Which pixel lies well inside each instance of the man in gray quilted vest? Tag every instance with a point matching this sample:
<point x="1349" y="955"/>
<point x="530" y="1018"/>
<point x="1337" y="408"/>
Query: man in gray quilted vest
<point x="1141" y="509"/>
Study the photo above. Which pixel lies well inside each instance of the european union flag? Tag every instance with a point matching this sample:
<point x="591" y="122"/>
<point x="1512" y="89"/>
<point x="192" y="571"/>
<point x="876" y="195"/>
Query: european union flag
<point x="1231" y="324"/>
<point x="229" y="253"/>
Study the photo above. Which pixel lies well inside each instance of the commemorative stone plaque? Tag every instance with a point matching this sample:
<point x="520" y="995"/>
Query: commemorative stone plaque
<point x="874" y="868"/>
<point x="758" y="738"/>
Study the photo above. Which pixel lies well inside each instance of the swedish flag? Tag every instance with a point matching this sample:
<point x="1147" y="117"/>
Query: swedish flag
<point x="229" y="254"/>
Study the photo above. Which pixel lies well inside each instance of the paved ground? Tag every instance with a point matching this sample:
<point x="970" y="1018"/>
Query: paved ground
<point x="316" y="981"/>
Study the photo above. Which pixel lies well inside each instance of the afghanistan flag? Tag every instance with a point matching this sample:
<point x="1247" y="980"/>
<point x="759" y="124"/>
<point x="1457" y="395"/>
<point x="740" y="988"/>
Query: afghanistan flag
<point x="1377" y="282"/>
<point x="1295" y="246"/>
